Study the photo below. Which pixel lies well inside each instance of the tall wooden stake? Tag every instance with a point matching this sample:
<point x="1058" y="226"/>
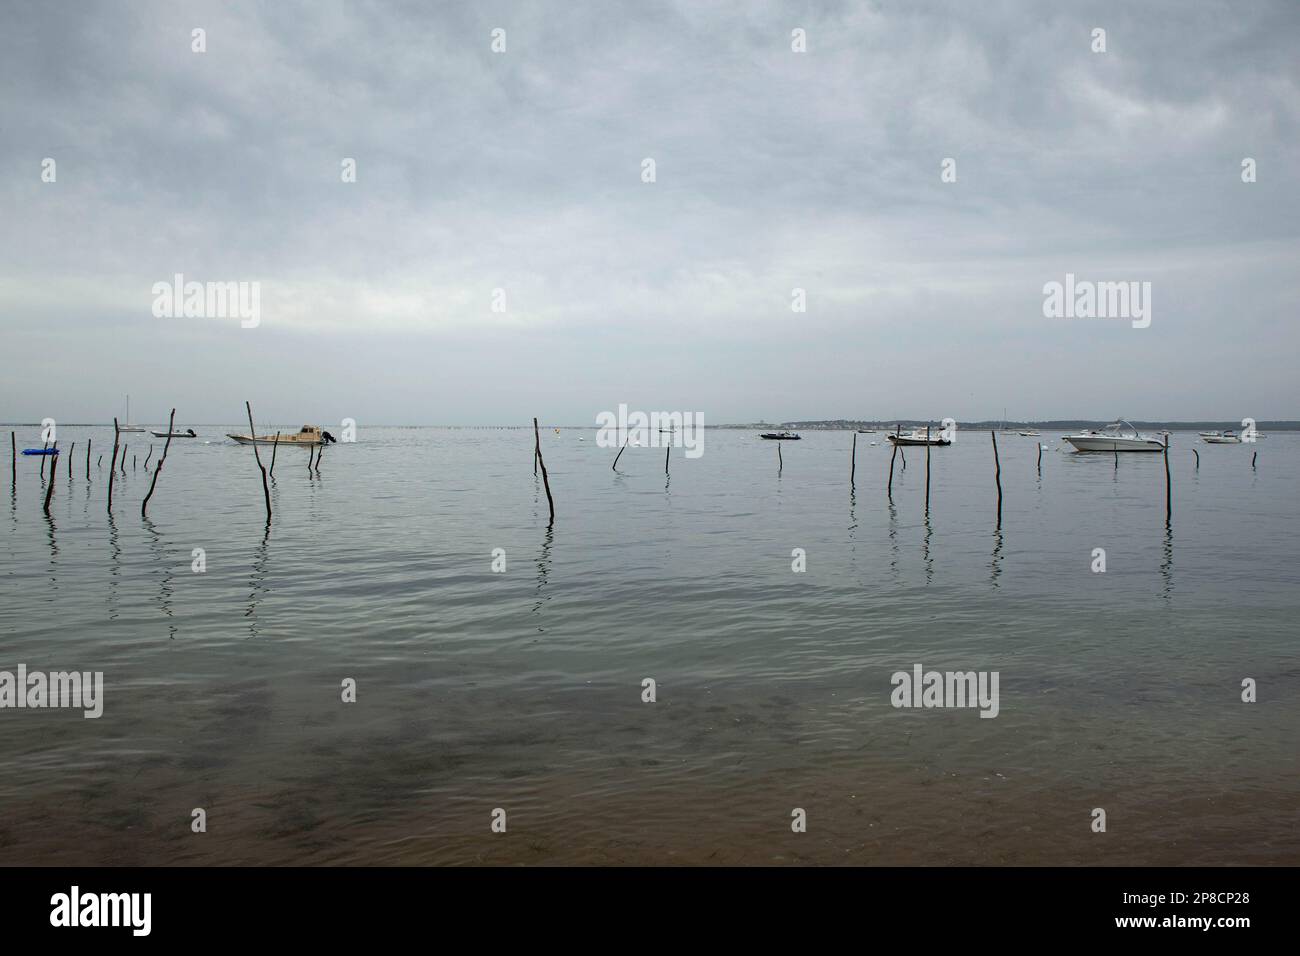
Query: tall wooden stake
<point x="1169" y="488"/>
<point x="266" y="489"/>
<point x="667" y="451"/>
<point x="124" y="448"/>
<point x="54" y="470"/>
<point x="275" y="446"/>
<point x="780" y="461"/>
<point x="44" y="447"/>
<point x="87" y="459"/>
<point x="1198" y="459"/>
<point x="613" y="467"/>
<point x="537" y="449"/>
<point x="150" y="455"/>
<point x="997" y="474"/>
<point x="927" y="469"/>
<point x="1040" y="458"/>
<point x="70" y="451"/>
<point x="157" y="469"/>
<point x="112" y="465"/>
<point x="889" y="489"/>
<point x="853" y="459"/>
<point x="13" y="461"/>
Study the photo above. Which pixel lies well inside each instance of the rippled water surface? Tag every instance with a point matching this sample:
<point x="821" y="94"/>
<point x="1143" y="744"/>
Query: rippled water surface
<point x="522" y="690"/>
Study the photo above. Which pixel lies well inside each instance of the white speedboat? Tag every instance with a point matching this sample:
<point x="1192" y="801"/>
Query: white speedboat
<point x="1028" y="433"/>
<point x="1221" y="438"/>
<point x="918" y="437"/>
<point x="1121" y="436"/>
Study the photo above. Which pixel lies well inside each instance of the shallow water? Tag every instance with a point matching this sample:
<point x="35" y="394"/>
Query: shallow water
<point x="522" y="690"/>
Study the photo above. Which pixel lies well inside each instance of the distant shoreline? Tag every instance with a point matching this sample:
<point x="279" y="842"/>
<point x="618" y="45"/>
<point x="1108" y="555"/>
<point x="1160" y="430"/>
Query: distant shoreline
<point x="815" y="425"/>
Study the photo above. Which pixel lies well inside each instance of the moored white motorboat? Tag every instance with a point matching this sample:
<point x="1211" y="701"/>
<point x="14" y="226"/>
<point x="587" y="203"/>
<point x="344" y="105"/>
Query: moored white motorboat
<point x="1221" y="438"/>
<point x="918" y="437"/>
<point x="1116" y="437"/>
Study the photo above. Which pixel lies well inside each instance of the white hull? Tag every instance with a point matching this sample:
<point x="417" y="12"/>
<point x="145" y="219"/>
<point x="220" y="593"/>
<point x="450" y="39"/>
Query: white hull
<point x="1220" y="440"/>
<point x="130" y="428"/>
<point x="1104" y="443"/>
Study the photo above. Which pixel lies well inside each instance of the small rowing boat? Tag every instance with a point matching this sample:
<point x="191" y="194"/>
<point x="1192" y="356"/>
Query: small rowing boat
<point x="188" y="433"/>
<point x="40" y="451"/>
<point x="780" y="436"/>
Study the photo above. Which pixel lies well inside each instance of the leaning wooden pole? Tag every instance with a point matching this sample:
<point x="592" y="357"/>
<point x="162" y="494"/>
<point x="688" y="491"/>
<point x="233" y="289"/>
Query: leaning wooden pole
<point x="144" y="505"/>
<point x="853" y="459"/>
<point x="70" y="451"/>
<point x="667" y="451"/>
<point x="780" y="461"/>
<point x="88" y="459"/>
<point x="150" y="455"/>
<point x="44" y="447"/>
<point x="1169" y="487"/>
<point x="613" y="467"/>
<point x="266" y="489"/>
<point x="112" y="465"/>
<point x="124" y="448"/>
<point x="927" y="469"/>
<point x="546" y="481"/>
<point x="997" y="474"/>
<point x="889" y="489"/>
<point x="1040" y="458"/>
<point x="1198" y="459"/>
<point x="54" y="470"/>
<point x="275" y="446"/>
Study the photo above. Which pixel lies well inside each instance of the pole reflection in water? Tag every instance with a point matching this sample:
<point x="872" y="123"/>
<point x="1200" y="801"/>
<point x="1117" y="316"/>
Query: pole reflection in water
<point x="258" y="587"/>
<point x="893" y="540"/>
<point x="926" y="557"/>
<point x="995" y="565"/>
<point x="165" y="572"/>
<point x="1167" y="564"/>
<point x="543" y="571"/>
<point x="114" y="567"/>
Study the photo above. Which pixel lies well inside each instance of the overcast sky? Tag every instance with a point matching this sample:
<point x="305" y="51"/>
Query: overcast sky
<point x="522" y="171"/>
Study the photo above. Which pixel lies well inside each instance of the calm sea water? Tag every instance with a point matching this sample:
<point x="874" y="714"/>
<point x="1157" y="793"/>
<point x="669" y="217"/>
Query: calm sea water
<point x="522" y="690"/>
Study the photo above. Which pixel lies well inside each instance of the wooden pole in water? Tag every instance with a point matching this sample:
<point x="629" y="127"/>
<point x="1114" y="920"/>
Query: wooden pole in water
<point x="1198" y="459"/>
<point x="150" y="455"/>
<point x="135" y="463"/>
<point x="853" y="459"/>
<point x="537" y="450"/>
<point x="144" y="505"/>
<point x="997" y="474"/>
<point x="613" y="467"/>
<point x="54" y="470"/>
<point x="1040" y="458"/>
<point x="87" y="459"/>
<point x="252" y="434"/>
<point x="44" y="447"/>
<point x="112" y="465"/>
<point x="70" y="451"/>
<point x="667" y="451"/>
<point x="275" y="446"/>
<point x="889" y="489"/>
<point x="927" y="469"/>
<point x="780" y="461"/>
<point x="124" y="448"/>
<point x="1252" y="460"/>
<point x="1169" y="488"/>
<point x="13" y="460"/>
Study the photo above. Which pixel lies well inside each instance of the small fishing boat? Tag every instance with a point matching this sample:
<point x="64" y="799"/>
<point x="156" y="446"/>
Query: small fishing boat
<point x="780" y="436"/>
<point x="1221" y="438"/>
<point x="866" y="431"/>
<point x="1115" y="438"/>
<point x="918" y="437"/>
<point x="188" y="433"/>
<point x="1028" y="433"/>
<point x="40" y="451"/>
<point x="309" y="435"/>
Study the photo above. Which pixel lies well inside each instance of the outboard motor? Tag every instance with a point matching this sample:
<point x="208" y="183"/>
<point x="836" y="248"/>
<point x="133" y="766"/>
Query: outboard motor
<point x="328" y="438"/>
